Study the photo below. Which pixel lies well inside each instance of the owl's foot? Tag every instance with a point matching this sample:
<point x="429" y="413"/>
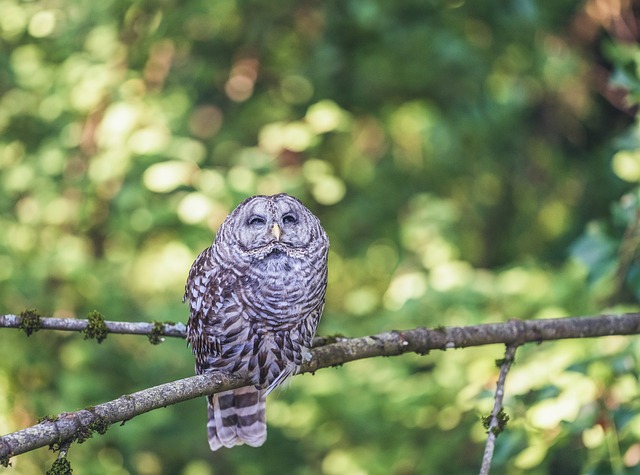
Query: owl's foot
<point x="306" y="355"/>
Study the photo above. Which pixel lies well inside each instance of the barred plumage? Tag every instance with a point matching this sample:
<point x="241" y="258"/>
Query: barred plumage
<point x="255" y="297"/>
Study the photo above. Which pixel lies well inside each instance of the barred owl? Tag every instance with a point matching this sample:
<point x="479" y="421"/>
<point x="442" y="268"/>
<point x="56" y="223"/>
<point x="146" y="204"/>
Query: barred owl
<point x="255" y="297"/>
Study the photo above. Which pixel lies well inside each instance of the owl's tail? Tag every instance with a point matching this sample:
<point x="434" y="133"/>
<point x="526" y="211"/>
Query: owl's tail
<point x="237" y="417"/>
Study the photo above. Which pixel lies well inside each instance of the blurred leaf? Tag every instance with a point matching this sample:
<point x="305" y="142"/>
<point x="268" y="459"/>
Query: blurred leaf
<point x="597" y="252"/>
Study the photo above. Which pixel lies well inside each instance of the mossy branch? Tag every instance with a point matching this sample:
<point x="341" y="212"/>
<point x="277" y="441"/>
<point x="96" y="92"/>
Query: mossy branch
<point x="93" y="327"/>
<point x="77" y="426"/>
<point x="497" y="421"/>
<point x="509" y="332"/>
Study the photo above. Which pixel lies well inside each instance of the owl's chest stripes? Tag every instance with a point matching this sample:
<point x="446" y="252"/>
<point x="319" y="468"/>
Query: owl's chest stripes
<point x="277" y="296"/>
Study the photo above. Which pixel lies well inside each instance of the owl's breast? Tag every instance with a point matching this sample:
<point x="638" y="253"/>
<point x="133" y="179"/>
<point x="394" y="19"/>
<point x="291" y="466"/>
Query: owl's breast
<point x="278" y="262"/>
<point x="277" y="292"/>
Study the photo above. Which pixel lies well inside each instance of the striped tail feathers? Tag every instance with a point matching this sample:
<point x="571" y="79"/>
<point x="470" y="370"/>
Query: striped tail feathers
<point x="237" y="417"/>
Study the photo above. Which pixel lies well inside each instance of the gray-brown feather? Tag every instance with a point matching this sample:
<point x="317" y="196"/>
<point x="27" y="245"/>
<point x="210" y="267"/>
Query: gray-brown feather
<point x="255" y="302"/>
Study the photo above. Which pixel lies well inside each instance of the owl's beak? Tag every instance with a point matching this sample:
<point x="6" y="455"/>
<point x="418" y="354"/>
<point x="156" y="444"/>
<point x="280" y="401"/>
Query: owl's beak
<point x="275" y="231"/>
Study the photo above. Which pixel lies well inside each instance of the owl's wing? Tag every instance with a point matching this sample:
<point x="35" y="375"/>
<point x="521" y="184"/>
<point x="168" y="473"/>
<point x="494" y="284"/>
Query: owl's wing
<point x="205" y="291"/>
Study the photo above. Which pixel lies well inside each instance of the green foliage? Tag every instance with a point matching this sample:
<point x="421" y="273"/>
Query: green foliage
<point x="457" y="154"/>
<point x="624" y="57"/>
<point x="609" y="247"/>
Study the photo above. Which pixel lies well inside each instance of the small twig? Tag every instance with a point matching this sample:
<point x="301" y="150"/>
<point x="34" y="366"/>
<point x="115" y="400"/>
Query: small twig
<point x="64" y="449"/>
<point x="61" y="466"/>
<point x="496" y="423"/>
<point x="627" y="254"/>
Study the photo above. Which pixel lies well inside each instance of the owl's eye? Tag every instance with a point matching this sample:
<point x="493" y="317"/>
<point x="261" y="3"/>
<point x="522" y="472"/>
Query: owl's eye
<point x="256" y="221"/>
<point x="289" y="218"/>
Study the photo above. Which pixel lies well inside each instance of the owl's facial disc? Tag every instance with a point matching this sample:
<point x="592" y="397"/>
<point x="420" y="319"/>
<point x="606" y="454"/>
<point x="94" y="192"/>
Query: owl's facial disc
<point x="272" y="230"/>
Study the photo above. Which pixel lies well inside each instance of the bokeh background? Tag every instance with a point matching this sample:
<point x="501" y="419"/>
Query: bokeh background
<point x="471" y="161"/>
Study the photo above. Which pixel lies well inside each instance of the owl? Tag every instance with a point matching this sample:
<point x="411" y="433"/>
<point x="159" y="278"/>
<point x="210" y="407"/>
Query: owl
<point x="255" y="298"/>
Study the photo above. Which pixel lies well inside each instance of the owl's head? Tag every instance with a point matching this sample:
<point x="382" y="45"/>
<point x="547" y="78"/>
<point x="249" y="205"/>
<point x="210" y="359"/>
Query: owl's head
<point x="267" y="226"/>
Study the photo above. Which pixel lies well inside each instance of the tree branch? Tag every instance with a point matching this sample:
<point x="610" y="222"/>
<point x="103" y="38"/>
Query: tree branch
<point x="77" y="426"/>
<point x="497" y="421"/>
<point x="80" y="324"/>
<point x="533" y="330"/>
